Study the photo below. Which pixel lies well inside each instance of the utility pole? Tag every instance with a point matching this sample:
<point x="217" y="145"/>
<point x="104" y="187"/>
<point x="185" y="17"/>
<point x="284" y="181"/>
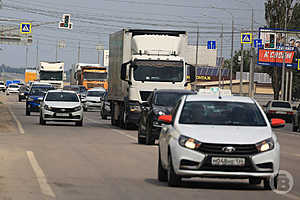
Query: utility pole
<point x="56" y="52"/>
<point x="291" y="86"/>
<point x="78" y="58"/>
<point x="283" y="63"/>
<point x="26" y="52"/>
<point x="286" y="85"/>
<point x="251" y="85"/>
<point x="221" y="66"/>
<point x="197" y="45"/>
<point x="231" y="66"/>
<point x="37" y="54"/>
<point x="241" y="69"/>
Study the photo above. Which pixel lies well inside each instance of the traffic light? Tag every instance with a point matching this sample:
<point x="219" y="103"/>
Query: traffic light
<point x="271" y="43"/>
<point x="66" y="22"/>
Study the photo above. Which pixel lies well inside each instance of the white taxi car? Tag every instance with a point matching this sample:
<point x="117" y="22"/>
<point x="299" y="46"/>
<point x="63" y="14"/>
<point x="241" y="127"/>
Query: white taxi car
<point x="218" y="137"/>
<point x="61" y="106"/>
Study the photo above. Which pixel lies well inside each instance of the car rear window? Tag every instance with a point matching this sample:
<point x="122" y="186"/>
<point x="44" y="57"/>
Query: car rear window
<point x="281" y="104"/>
<point x="62" y="96"/>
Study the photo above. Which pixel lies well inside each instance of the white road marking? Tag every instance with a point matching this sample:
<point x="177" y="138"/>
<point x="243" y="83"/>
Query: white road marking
<point x="20" y="127"/>
<point x="45" y="187"/>
<point x="122" y="133"/>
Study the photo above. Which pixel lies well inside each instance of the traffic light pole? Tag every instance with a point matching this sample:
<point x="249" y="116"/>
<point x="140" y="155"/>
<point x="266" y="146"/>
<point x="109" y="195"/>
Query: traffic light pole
<point x="284" y="56"/>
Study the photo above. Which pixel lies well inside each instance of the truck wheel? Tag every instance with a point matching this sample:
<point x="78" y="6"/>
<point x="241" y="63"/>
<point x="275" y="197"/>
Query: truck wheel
<point x="113" y="121"/>
<point x="27" y="112"/>
<point x="124" y="123"/>
<point x="20" y="99"/>
<point x="149" y="138"/>
<point x="140" y="139"/>
<point x="42" y="121"/>
<point x="162" y="174"/>
<point x="173" y="179"/>
<point x="295" y="128"/>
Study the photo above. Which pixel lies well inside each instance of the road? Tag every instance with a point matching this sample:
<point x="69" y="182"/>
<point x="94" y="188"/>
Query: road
<point x="97" y="161"/>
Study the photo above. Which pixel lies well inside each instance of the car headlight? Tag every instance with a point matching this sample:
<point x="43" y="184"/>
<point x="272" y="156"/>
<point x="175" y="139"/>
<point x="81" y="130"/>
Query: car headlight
<point x="188" y="142"/>
<point x="265" y="145"/>
<point x="77" y="108"/>
<point x="46" y="107"/>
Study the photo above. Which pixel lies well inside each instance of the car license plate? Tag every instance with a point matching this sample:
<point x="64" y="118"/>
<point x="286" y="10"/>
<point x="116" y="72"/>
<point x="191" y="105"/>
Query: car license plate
<point x="62" y="114"/>
<point x="221" y="161"/>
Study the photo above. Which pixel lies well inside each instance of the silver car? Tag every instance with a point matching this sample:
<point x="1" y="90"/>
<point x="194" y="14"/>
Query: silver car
<point x="61" y="106"/>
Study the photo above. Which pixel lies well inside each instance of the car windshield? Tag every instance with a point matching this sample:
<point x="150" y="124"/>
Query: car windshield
<point x="221" y="113"/>
<point x="94" y="76"/>
<point x="158" y="71"/>
<point x="281" y="104"/>
<point x="62" y="96"/>
<point x="167" y="98"/>
<point x="39" y="91"/>
<point x="95" y="93"/>
<point x="48" y="75"/>
<point x="13" y="86"/>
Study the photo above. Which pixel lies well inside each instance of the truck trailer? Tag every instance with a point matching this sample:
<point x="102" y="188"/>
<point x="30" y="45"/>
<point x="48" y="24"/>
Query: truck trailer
<point x="139" y="62"/>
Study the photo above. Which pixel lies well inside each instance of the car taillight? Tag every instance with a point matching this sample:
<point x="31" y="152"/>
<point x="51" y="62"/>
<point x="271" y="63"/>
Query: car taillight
<point x="272" y="111"/>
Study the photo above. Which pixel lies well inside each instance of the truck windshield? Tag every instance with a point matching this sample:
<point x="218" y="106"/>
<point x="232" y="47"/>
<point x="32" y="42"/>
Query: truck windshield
<point x="94" y="76"/>
<point x="158" y="71"/>
<point x="221" y="113"/>
<point x="54" y="76"/>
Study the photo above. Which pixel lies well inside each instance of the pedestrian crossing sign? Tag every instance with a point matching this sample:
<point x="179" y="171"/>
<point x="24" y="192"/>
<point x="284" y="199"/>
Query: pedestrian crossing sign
<point x="25" y="28"/>
<point x="246" y="38"/>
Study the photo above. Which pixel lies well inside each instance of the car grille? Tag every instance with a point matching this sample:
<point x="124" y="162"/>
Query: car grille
<point x="92" y="85"/>
<point x="62" y="110"/>
<point x="243" y="149"/>
<point x="145" y="95"/>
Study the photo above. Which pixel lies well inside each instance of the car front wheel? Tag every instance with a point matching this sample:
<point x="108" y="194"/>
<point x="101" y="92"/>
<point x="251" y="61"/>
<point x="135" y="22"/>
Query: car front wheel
<point x="80" y="123"/>
<point x="42" y="121"/>
<point x="173" y="179"/>
<point x="162" y="174"/>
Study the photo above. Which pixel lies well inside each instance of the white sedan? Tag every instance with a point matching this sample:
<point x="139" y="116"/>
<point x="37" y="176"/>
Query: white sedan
<point x="61" y="105"/>
<point x="218" y="137"/>
<point x="12" y="88"/>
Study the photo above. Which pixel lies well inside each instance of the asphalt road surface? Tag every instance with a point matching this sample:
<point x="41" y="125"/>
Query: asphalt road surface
<point x="97" y="161"/>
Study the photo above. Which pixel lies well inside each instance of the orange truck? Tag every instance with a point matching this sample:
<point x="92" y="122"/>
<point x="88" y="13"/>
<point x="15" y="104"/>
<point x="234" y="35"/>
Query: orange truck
<point x="91" y="75"/>
<point x="30" y="75"/>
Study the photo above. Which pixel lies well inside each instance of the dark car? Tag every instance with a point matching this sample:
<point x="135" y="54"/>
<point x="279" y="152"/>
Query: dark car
<point x="35" y="96"/>
<point x="160" y="102"/>
<point x="105" y="107"/>
<point x="23" y="92"/>
<point x="79" y="89"/>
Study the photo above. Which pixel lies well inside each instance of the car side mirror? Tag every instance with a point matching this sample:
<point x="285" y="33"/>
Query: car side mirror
<point x="277" y="123"/>
<point x="124" y="75"/>
<point x="165" y="119"/>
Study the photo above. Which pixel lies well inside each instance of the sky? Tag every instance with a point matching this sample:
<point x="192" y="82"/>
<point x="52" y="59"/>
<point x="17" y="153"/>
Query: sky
<point x="94" y="20"/>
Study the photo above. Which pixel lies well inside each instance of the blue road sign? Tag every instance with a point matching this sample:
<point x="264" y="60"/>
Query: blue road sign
<point x="211" y="45"/>
<point x="246" y="38"/>
<point x="25" y="28"/>
<point x="258" y="43"/>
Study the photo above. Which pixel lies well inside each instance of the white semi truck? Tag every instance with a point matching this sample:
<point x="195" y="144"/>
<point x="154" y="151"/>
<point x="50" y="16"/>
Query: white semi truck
<point x="139" y="62"/>
<point x="52" y="72"/>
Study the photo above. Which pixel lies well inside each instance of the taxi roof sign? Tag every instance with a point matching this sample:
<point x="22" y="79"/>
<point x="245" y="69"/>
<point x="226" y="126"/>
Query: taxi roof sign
<point x="214" y="91"/>
<point x="246" y="38"/>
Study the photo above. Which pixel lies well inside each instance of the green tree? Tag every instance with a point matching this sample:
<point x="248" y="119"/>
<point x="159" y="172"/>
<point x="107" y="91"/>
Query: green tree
<point x="275" y="15"/>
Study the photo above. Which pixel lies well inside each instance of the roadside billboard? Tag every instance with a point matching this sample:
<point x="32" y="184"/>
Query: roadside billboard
<point x="272" y="50"/>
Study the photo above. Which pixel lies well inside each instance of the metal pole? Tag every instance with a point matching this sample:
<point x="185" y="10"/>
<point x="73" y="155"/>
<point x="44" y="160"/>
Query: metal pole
<point x="26" y="55"/>
<point x="221" y="66"/>
<point x="291" y="86"/>
<point x="283" y="63"/>
<point x="231" y="66"/>
<point x="197" y="45"/>
<point x="241" y="69"/>
<point x="250" y="90"/>
<point x="37" y="54"/>
<point x="286" y="85"/>
<point x="78" y="58"/>
<point x="56" y="51"/>
<point x="98" y="57"/>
